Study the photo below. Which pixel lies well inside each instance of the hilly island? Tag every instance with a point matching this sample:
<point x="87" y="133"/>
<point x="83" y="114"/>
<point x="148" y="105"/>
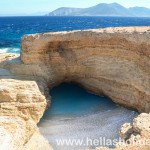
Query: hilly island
<point x="102" y="9"/>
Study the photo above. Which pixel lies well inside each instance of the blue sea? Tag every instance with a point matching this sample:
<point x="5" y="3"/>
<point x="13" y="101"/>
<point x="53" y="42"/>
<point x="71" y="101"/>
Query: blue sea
<point x="13" y="28"/>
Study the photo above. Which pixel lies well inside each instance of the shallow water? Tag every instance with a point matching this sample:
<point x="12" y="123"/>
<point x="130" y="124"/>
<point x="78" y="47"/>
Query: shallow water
<point x="73" y="100"/>
<point x="77" y="114"/>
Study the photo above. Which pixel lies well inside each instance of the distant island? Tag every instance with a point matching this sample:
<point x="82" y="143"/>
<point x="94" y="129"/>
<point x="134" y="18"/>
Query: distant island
<point x="102" y="9"/>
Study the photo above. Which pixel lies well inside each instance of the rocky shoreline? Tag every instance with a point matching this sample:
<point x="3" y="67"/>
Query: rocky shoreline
<point x="114" y="62"/>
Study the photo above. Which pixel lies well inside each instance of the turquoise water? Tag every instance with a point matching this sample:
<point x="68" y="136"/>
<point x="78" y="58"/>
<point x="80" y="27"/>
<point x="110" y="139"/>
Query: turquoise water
<point x="76" y="114"/>
<point x="72" y="100"/>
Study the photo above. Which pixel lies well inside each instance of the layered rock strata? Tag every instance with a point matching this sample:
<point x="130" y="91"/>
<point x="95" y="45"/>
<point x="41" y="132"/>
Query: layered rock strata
<point x="114" y="62"/>
<point x="23" y="100"/>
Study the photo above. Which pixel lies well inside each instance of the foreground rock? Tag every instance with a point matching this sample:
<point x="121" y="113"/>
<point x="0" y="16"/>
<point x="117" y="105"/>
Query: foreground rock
<point x="136" y="136"/>
<point x="22" y="103"/>
<point x="114" y="62"/>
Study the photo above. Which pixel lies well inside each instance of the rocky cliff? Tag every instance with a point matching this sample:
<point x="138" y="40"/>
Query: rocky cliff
<point x="114" y="62"/>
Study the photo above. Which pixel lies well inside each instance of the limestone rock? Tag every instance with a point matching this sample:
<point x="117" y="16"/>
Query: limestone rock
<point x="126" y="131"/>
<point x="21" y="98"/>
<point x="114" y="62"/>
<point x="141" y="125"/>
<point x="37" y="142"/>
<point x="15" y="132"/>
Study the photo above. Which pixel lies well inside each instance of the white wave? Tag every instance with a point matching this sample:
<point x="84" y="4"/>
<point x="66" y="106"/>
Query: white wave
<point x="9" y="50"/>
<point x="3" y="50"/>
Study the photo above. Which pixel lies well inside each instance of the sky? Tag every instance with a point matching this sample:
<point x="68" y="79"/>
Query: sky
<point x="35" y="7"/>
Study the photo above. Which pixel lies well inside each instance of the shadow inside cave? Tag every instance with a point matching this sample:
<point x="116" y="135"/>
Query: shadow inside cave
<point x="76" y="114"/>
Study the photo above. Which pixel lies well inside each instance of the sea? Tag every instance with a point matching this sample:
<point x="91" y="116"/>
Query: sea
<point x="13" y="28"/>
<point x="74" y="114"/>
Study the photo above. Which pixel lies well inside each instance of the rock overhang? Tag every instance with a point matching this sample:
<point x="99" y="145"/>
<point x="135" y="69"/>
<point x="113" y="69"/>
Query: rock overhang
<point x="114" y="62"/>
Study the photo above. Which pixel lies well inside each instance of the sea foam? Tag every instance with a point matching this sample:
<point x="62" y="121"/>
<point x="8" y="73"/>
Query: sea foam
<point x="9" y="50"/>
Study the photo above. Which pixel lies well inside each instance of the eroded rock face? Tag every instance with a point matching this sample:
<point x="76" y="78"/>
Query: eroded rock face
<point x="23" y="100"/>
<point x="114" y="62"/>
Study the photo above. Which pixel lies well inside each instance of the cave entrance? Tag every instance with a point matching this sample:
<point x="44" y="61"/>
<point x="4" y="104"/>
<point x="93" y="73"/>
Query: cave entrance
<point x="76" y="114"/>
<point x="71" y="100"/>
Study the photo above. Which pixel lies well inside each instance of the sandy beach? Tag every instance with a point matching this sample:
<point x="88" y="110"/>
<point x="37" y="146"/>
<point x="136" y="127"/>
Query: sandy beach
<point x="101" y="124"/>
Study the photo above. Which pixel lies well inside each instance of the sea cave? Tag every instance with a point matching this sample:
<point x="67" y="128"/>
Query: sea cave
<point x="77" y="114"/>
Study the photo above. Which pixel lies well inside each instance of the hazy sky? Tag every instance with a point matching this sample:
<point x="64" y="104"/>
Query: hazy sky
<point x="25" y="7"/>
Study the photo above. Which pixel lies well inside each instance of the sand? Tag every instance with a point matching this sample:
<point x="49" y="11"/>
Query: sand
<point x="94" y="126"/>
